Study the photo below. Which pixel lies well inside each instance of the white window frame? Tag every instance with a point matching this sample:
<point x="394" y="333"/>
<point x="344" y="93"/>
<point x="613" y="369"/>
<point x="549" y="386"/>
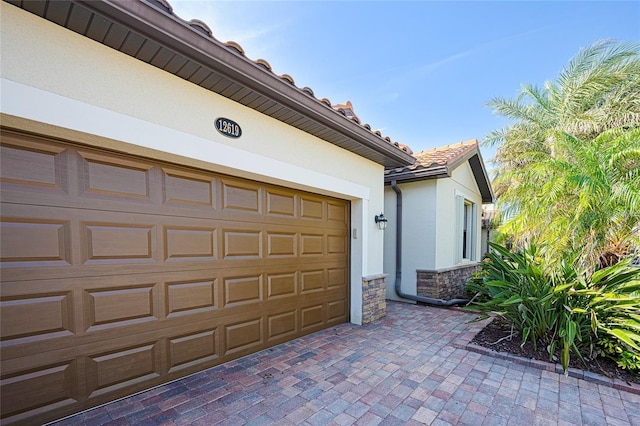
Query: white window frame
<point x="466" y="220"/>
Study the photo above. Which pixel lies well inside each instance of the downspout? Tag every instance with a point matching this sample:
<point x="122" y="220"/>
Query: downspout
<point x="421" y="299"/>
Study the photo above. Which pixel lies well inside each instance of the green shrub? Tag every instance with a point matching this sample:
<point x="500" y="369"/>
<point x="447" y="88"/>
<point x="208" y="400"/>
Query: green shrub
<point x="613" y="303"/>
<point x="612" y="349"/>
<point x="559" y="307"/>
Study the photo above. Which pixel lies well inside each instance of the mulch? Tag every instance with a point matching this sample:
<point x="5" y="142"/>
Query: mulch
<point x="496" y="334"/>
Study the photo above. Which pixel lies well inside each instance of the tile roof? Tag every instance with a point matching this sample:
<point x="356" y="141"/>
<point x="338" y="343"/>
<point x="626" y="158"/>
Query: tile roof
<point x="438" y="158"/>
<point x="339" y="108"/>
<point x="440" y="162"/>
<point x="347" y="110"/>
<point x="445" y="154"/>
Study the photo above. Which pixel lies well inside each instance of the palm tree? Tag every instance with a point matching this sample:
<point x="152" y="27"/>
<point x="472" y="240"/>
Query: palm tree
<point x="586" y="197"/>
<point x="568" y="166"/>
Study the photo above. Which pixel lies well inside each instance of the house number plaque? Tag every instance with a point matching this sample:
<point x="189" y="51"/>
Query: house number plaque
<point x="228" y="128"/>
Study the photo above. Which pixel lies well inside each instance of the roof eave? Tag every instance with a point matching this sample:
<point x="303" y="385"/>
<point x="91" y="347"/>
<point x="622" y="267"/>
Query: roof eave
<point x="149" y="20"/>
<point x="473" y="156"/>
<point x="482" y="178"/>
<point x="417" y="175"/>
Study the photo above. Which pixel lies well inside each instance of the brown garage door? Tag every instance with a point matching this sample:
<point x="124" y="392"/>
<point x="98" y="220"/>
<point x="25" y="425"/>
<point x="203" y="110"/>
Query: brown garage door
<point x="120" y="273"/>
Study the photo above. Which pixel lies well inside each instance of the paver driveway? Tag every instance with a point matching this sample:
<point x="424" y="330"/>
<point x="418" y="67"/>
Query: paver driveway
<point x="407" y="368"/>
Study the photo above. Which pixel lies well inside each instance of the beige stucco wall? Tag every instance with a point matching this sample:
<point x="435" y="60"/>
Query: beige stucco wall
<point x="60" y="83"/>
<point x="418" y="230"/>
<point x="462" y="183"/>
<point x="428" y="227"/>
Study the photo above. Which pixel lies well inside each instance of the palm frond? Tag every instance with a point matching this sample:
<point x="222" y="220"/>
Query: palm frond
<point x="568" y="163"/>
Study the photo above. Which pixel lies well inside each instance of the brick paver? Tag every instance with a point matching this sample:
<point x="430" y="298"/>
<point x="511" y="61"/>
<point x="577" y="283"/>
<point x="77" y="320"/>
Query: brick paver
<point x="411" y="367"/>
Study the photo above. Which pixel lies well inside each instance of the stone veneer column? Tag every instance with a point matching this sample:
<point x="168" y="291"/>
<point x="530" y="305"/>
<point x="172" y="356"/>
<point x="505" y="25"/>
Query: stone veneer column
<point x="374" y="303"/>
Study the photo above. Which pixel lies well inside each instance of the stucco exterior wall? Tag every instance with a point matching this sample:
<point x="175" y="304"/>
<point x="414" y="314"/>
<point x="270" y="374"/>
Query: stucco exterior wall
<point x="429" y="226"/>
<point x="59" y="83"/>
<point x="462" y="183"/>
<point x="419" y="228"/>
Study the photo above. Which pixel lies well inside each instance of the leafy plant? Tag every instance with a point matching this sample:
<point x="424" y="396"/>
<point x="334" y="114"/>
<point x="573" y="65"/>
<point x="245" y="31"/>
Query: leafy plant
<point x="612" y="349"/>
<point x="613" y="303"/>
<point x="560" y="308"/>
<point x="515" y="287"/>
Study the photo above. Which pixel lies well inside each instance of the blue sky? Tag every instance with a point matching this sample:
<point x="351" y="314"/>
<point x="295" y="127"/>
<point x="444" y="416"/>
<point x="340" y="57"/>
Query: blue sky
<point x="421" y="72"/>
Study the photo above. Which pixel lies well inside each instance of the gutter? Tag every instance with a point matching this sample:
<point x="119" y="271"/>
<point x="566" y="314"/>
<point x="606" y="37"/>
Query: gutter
<point x="418" y="174"/>
<point x="397" y="286"/>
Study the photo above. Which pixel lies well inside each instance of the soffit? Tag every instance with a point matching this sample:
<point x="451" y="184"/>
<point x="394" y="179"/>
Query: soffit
<point x="148" y="30"/>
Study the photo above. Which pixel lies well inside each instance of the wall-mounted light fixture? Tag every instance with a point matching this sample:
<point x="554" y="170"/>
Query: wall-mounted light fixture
<point x="381" y="221"/>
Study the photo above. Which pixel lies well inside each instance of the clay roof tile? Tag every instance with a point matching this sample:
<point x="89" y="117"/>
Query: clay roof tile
<point x="235" y="46"/>
<point x="264" y="64"/>
<point x="165" y="5"/>
<point x="201" y="26"/>
<point x="436" y="159"/>
<point x="444" y="155"/>
<point x="288" y="78"/>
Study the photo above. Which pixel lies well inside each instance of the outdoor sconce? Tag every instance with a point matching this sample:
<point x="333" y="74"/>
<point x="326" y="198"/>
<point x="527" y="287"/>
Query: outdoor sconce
<point x="381" y="221"/>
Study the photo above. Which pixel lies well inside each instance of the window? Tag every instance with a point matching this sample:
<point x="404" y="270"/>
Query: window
<point x="466" y="232"/>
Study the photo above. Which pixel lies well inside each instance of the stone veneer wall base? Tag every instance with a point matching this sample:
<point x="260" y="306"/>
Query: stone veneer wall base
<point x="374" y="303"/>
<point x="446" y="283"/>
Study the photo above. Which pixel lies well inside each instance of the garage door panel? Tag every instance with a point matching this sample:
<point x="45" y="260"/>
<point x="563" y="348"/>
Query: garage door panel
<point x="242" y="244"/>
<point x="282" y="325"/>
<point x="337" y="310"/>
<point x="191" y="297"/>
<point x="119" y="306"/>
<point x="312" y="317"/>
<point x="190" y="244"/>
<point x="122" y="368"/>
<point x="192" y="350"/>
<point x="337" y="213"/>
<point x="337" y="279"/>
<point x="282" y="244"/>
<point x="244" y="336"/>
<point x="281" y="204"/>
<point x="170" y="212"/>
<point x="32" y="318"/>
<point x="114" y="177"/>
<point x="243" y="290"/>
<point x="336" y="244"/>
<point x="122" y="273"/>
<point x="280" y="285"/>
<point x="29" y="165"/>
<point x="312" y="281"/>
<point x="311" y="244"/>
<point x="107" y="302"/>
<point x="192" y="189"/>
<point x="241" y="196"/>
<point x="58" y="314"/>
<point x="109" y="243"/>
<point x="311" y="209"/>
<point x="39" y="390"/>
<point x="34" y="242"/>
